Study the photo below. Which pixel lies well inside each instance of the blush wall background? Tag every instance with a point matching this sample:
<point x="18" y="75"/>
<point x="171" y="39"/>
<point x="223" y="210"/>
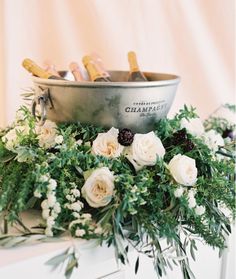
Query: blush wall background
<point x="190" y="38"/>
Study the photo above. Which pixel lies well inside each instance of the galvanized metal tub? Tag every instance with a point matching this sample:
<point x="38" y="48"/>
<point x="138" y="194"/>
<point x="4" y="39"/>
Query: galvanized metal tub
<point x="121" y="104"/>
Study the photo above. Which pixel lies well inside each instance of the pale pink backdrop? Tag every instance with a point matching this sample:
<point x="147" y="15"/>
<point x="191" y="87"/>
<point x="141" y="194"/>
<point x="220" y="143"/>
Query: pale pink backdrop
<point x="190" y="38"/>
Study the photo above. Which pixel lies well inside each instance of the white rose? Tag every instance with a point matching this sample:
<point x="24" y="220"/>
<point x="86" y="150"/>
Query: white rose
<point x="47" y="134"/>
<point x="200" y="209"/>
<point x="194" y="126"/>
<point x="11" y="138"/>
<point x="213" y="140"/>
<point x="59" y="139"/>
<point x="107" y="145"/>
<point x="99" y="187"/>
<point x="183" y="169"/>
<point x="145" y="150"/>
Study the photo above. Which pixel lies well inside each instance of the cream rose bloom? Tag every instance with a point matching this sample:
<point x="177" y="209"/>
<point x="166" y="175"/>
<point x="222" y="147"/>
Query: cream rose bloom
<point x="11" y="138"/>
<point x="99" y="187"/>
<point x="47" y="134"/>
<point x="194" y="126"/>
<point x="107" y="145"/>
<point x="145" y="150"/>
<point x="183" y="169"/>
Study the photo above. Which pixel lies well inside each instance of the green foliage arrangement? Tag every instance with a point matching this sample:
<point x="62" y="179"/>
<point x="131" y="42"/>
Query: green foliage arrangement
<point x="174" y="184"/>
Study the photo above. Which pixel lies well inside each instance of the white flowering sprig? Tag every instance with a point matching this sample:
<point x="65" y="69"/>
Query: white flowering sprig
<point x="50" y="207"/>
<point x="73" y="200"/>
<point x="85" y="227"/>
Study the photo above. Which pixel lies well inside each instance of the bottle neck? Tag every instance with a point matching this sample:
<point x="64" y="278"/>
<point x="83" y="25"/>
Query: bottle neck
<point x="93" y="72"/>
<point x="35" y="69"/>
<point x="133" y="64"/>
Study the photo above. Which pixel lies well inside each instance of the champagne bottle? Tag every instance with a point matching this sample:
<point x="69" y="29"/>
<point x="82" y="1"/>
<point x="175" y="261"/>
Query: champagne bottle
<point x="93" y="71"/>
<point x="33" y="68"/>
<point x="135" y="74"/>
<point x="75" y="69"/>
<point x="50" y="68"/>
<point x="99" y="63"/>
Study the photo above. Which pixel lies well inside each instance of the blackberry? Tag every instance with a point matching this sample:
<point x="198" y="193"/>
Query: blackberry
<point x="180" y="136"/>
<point x="188" y="145"/>
<point x="228" y="133"/>
<point x="125" y="137"/>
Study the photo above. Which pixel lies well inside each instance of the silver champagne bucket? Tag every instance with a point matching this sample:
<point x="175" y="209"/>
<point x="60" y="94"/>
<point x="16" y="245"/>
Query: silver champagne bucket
<point x="121" y="104"/>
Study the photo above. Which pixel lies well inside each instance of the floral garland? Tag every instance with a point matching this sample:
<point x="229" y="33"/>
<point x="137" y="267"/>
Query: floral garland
<point x="174" y="183"/>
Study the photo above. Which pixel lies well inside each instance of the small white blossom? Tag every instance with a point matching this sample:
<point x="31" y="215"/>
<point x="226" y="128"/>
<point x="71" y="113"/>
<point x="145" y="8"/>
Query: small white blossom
<point x="98" y="230"/>
<point x="76" y="214"/>
<point x="194" y="126"/>
<point x="80" y="232"/>
<point x="75" y="192"/>
<point x="57" y="207"/>
<point x="45" y="213"/>
<point x="76" y="206"/>
<point x="192" y="202"/>
<point x="37" y="194"/>
<point x="213" y="140"/>
<point x="51" y="200"/>
<point x="48" y="232"/>
<point x="54" y="214"/>
<point x="70" y="198"/>
<point x="44" y="204"/>
<point x="50" y="221"/>
<point x="200" y="209"/>
<point x="52" y="184"/>
<point x="44" y="178"/>
<point x="179" y="192"/>
<point x="134" y="189"/>
<point x="87" y="216"/>
<point x="192" y="193"/>
<point x="59" y="139"/>
<point x="79" y="142"/>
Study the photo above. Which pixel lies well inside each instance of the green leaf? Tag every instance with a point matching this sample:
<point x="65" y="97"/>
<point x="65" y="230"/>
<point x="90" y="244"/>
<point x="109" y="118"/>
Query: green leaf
<point x="192" y="252"/>
<point x="73" y="263"/>
<point x="57" y="260"/>
<point x="7" y="158"/>
<point x="136" y="265"/>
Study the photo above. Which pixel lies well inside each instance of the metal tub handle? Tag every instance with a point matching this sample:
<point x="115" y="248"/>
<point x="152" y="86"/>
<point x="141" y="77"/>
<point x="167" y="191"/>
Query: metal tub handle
<point x="43" y="99"/>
